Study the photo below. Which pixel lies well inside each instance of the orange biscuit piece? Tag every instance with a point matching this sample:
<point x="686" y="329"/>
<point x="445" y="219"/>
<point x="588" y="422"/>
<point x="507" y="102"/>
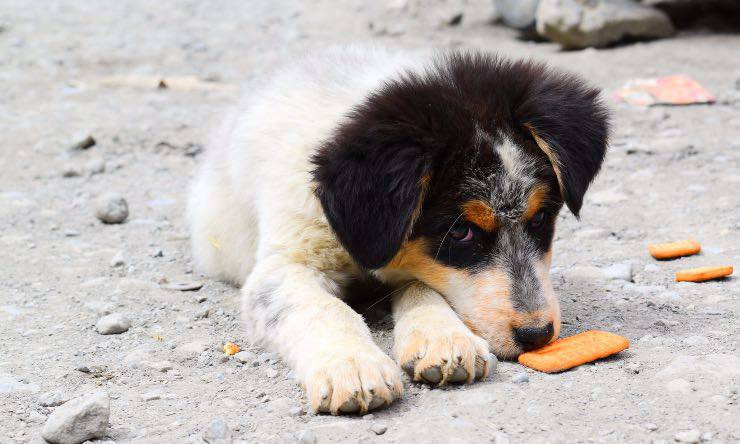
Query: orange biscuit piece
<point x="570" y="352"/>
<point x="231" y="349"/>
<point x="702" y="274"/>
<point x="672" y="250"/>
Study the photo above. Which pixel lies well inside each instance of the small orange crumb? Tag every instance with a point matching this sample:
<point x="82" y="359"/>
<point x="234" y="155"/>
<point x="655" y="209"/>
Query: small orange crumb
<point x="703" y="273"/>
<point x="672" y="250"/>
<point x="573" y="351"/>
<point x="231" y="349"/>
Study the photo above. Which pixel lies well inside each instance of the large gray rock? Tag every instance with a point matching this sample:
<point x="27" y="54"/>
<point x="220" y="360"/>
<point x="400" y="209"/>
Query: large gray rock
<point x="582" y="23"/>
<point x="518" y="14"/>
<point x="78" y="420"/>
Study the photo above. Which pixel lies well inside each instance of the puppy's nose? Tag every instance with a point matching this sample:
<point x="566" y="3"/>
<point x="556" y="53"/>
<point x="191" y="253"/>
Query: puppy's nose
<point x="531" y="338"/>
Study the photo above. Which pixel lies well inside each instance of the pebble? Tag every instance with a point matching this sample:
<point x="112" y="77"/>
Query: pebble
<point x="84" y="143"/>
<point x="368" y="417"/>
<point x="95" y="166"/>
<point x="621" y="272"/>
<point x="53" y="399"/>
<point x="10" y="383"/>
<point x="160" y="366"/>
<point x="218" y="432"/>
<point x="113" y="324"/>
<point x="695" y="340"/>
<point x="632" y="367"/>
<point x="79" y="419"/>
<point x="244" y="356"/>
<point x="271" y="373"/>
<point x="690" y="436"/>
<point x="650" y="426"/>
<point x="111" y="208"/>
<point x="297" y="411"/>
<point x="118" y="260"/>
<point x="379" y="428"/>
<point x="520" y="378"/>
<point x="306" y="437"/>
<point x="500" y="438"/>
<point x="265" y="357"/>
<point x="678" y="385"/>
<point x="71" y="170"/>
<point x="71" y="233"/>
<point x="183" y="286"/>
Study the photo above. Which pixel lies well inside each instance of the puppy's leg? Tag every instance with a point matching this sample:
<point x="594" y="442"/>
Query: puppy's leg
<point x="431" y="342"/>
<point x="293" y="308"/>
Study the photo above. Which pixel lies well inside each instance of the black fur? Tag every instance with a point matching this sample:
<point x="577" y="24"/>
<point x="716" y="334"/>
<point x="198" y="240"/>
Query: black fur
<point x="369" y="174"/>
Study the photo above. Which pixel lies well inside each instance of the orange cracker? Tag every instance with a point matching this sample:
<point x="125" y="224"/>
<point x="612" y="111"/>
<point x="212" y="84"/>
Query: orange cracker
<point x="672" y="250"/>
<point x="703" y="273"/>
<point x="571" y="352"/>
<point x="231" y="349"/>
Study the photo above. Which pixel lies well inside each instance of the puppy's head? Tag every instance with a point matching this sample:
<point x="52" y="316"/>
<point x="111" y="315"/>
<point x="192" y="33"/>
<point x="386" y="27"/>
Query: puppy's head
<point x="455" y="178"/>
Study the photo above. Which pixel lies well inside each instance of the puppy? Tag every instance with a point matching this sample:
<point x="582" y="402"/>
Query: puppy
<point x="440" y="175"/>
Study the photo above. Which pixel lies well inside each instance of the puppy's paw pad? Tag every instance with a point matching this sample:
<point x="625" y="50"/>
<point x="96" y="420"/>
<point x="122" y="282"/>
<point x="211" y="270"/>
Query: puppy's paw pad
<point x="353" y="383"/>
<point x="444" y="357"/>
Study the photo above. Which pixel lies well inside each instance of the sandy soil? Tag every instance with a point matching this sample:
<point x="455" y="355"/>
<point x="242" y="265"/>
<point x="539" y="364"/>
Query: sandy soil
<point x="671" y="173"/>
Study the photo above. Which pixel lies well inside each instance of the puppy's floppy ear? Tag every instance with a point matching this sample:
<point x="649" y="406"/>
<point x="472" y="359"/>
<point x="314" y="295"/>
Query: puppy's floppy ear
<point x="570" y="125"/>
<point x="370" y="186"/>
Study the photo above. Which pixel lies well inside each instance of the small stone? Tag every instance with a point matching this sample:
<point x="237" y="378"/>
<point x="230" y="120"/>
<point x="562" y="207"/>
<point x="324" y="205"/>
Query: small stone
<point x="500" y="438"/>
<point x="618" y="272"/>
<point x="158" y="253"/>
<point x="111" y="209"/>
<point x="297" y="411"/>
<point x="368" y="417"/>
<point x="306" y="437"/>
<point x="632" y="367"/>
<point x="689" y="436"/>
<point x="95" y="166"/>
<point x="85" y="143"/>
<point x="218" y="432"/>
<point x="82" y="369"/>
<point x="78" y="420"/>
<point x="678" y="385"/>
<point x="113" y="324"/>
<point x="650" y="426"/>
<point x="183" y="286"/>
<point x="379" y="428"/>
<point x="35" y="417"/>
<point x="271" y="372"/>
<point x="71" y="233"/>
<point x="71" y="171"/>
<point x="245" y="356"/>
<point x="265" y="357"/>
<point x="693" y="341"/>
<point x="706" y="436"/>
<point x="517" y="14"/>
<point x="151" y="396"/>
<point x="581" y="273"/>
<point x="520" y="378"/>
<point x="118" y="260"/>
<point x="160" y="366"/>
<point x="53" y="398"/>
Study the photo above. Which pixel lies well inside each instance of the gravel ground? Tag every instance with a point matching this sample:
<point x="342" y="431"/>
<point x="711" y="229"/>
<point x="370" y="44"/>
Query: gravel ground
<point x="671" y="173"/>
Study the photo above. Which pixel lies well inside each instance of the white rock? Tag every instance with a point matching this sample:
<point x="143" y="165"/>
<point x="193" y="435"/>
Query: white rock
<point x="218" y="432"/>
<point x="500" y="438"/>
<point x="695" y="340"/>
<point x="379" y="428"/>
<point x="520" y="378"/>
<point x="580" y="273"/>
<point x="718" y="367"/>
<point x="306" y="437"/>
<point x="53" y="399"/>
<point x="518" y="14"/>
<point x="78" y="420"/>
<point x="11" y="383"/>
<point x="118" y="260"/>
<point x="113" y="324"/>
<point x="271" y="372"/>
<point x="111" y="209"/>
<point x="690" y="436"/>
<point x="621" y="272"/>
<point x="160" y="366"/>
<point x="245" y="356"/>
<point x="678" y="385"/>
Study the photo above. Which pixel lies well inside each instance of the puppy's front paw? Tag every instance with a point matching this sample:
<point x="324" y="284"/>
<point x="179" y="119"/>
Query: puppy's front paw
<point x="441" y="356"/>
<point x="353" y="382"/>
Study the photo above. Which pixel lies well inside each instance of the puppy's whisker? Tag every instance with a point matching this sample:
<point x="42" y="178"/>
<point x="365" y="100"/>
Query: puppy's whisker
<point x="405" y="286"/>
<point x="439" y="248"/>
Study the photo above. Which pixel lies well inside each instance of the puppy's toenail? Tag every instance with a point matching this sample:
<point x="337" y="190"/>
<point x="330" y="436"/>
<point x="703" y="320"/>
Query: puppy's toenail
<point x="432" y="375"/>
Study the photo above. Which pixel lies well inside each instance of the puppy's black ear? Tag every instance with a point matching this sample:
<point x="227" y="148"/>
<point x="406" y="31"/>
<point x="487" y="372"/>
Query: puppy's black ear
<point x="370" y="186"/>
<point x="570" y="125"/>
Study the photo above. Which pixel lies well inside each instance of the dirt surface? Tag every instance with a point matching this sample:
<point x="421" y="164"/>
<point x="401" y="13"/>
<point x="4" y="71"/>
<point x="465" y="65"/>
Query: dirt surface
<point x="671" y="173"/>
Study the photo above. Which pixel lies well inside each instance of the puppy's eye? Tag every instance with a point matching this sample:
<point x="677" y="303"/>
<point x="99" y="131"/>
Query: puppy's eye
<point x="461" y="233"/>
<point x="537" y="220"/>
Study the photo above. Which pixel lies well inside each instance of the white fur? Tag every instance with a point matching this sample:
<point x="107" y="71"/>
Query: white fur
<point x="256" y="222"/>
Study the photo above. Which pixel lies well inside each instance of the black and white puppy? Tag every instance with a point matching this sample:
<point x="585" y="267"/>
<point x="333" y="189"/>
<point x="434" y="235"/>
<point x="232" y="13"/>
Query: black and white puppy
<point x="440" y="175"/>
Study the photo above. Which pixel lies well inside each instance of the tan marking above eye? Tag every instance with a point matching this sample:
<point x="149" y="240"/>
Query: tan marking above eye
<point x="479" y="213"/>
<point x="537" y="196"/>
